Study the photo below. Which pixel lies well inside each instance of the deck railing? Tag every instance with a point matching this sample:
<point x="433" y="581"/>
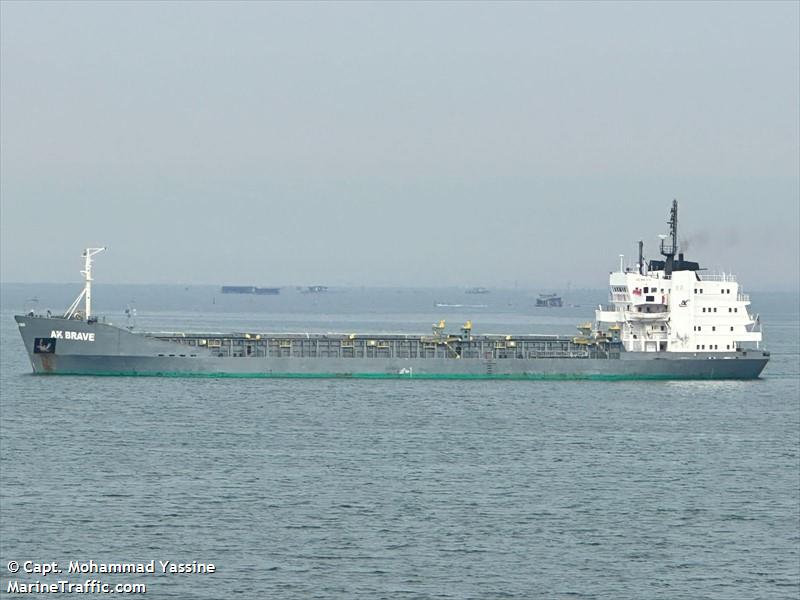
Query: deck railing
<point x="608" y="308"/>
<point x="724" y="277"/>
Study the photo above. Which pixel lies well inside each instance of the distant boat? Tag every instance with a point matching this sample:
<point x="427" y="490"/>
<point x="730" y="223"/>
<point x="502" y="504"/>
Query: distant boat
<point x="441" y="305"/>
<point x="477" y="290"/>
<point x="549" y="301"/>
<point x="314" y="289"/>
<point x="250" y="289"/>
<point x="238" y="289"/>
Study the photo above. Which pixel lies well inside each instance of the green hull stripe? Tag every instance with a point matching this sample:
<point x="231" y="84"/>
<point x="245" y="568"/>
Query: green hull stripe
<point x="450" y="376"/>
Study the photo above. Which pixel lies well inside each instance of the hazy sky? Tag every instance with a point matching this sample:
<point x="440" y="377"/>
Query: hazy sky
<point x="394" y="143"/>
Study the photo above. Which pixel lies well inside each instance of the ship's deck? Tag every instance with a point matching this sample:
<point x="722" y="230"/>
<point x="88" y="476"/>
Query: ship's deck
<point x="302" y="345"/>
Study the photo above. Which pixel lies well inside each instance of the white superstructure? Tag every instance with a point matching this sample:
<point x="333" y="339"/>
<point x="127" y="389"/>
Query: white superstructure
<point x="674" y="306"/>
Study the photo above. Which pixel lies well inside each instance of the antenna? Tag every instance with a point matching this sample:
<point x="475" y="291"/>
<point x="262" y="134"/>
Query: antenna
<point x="86" y="294"/>
<point x="130" y="313"/>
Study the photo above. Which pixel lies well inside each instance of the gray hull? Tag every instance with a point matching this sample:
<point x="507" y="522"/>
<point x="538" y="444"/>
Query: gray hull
<point x="70" y="347"/>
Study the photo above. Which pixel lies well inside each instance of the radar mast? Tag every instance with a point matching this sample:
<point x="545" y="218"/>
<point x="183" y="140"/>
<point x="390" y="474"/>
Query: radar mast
<point x="670" y="248"/>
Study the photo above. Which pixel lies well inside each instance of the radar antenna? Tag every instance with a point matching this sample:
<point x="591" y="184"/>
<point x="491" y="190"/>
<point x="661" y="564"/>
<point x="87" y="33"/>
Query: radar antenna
<point x="670" y="248"/>
<point x="86" y="294"/>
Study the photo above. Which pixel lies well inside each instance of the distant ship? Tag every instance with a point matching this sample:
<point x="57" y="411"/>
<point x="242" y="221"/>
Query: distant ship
<point x="549" y="301"/>
<point x="477" y="290"/>
<point x="668" y="319"/>
<point x="314" y="289"/>
<point x="250" y="289"/>
<point x="443" y="305"/>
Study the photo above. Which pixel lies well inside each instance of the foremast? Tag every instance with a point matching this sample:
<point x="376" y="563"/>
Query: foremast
<point x="85" y="295"/>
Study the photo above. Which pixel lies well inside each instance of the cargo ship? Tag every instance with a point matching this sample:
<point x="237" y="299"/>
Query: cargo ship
<point x="667" y="319"/>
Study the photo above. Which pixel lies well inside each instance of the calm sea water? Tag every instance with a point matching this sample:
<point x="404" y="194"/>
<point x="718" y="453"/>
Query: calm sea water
<point x="402" y="489"/>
